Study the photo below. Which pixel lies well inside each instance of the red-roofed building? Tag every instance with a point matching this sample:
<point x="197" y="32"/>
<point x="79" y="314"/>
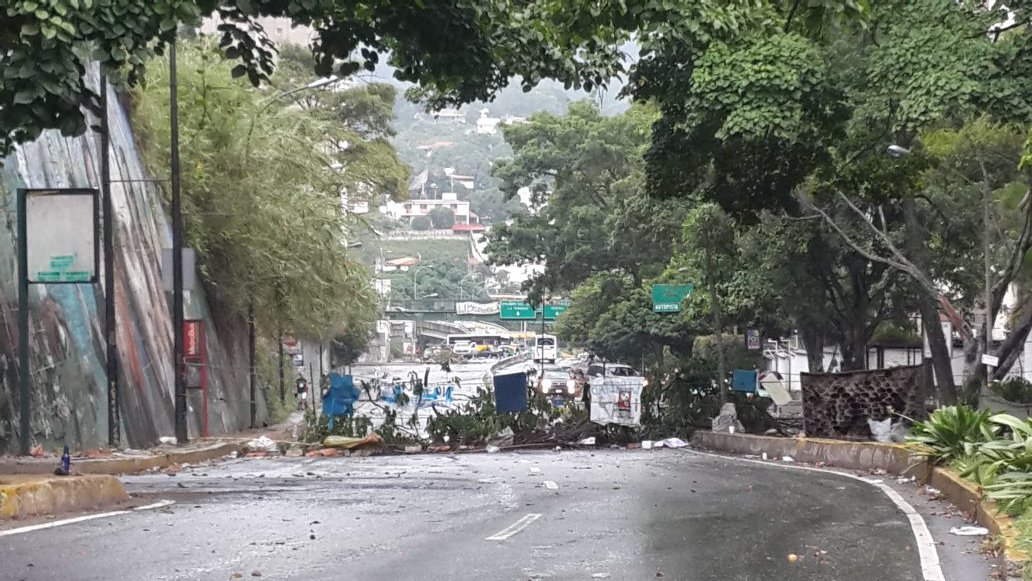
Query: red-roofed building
<point x="402" y="264"/>
<point x="468" y="228"/>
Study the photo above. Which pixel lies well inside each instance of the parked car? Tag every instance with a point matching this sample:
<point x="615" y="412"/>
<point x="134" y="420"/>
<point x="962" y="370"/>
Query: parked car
<point x="585" y="373"/>
<point x="464" y="348"/>
<point x="611" y="369"/>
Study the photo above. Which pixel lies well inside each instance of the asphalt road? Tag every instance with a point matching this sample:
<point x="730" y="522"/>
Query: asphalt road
<point x="607" y="514"/>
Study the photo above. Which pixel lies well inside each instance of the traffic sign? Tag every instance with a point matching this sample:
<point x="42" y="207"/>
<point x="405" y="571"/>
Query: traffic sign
<point x="667" y="298"/>
<point x="553" y="311"/>
<point x="516" y="311"/>
<point x="520" y="311"/>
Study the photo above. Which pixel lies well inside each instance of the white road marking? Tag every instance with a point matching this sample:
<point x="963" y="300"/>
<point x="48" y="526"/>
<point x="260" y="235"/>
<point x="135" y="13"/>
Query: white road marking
<point x="514" y="529"/>
<point x="159" y="504"/>
<point x="79" y="519"/>
<point x="931" y="569"/>
<point x="551" y="485"/>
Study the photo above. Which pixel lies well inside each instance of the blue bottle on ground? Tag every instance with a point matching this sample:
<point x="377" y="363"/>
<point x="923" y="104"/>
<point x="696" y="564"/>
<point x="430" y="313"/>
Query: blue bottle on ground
<point x="66" y="461"/>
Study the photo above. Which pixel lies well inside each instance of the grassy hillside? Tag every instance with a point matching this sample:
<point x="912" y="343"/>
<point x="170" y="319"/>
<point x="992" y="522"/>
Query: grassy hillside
<point x="454" y="251"/>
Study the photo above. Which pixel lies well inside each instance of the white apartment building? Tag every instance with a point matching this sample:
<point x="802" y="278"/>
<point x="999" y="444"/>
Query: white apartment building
<point x="407" y="210"/>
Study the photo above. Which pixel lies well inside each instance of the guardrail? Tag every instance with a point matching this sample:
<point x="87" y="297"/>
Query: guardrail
<point x="502" y="363"/>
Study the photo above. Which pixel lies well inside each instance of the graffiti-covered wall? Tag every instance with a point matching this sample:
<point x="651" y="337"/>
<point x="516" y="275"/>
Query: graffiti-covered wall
<point x="69" y="397"/>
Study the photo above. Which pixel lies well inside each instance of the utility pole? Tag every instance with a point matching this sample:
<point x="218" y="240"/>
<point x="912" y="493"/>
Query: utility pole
<point x="282" y="385"/>
<point x="177" y="256"/>
<point x="987" y="200"/>
<point x="252" y="368"/>
<point x="542" y="338"/>
<point x="110" y="323"/>
<point x="718" y="327"/>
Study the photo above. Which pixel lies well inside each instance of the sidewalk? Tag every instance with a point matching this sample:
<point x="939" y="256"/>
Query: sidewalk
<point x="128" y="462"/>
<point x="100" y="461"/>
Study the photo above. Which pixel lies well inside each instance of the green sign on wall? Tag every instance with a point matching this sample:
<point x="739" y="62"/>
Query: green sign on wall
<point x="667" y="298"/>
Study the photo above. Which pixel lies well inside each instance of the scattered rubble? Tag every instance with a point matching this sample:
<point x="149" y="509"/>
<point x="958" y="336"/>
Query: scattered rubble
<point x="262" y="444"/>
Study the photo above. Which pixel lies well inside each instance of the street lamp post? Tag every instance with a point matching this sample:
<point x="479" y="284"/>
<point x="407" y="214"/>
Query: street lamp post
<point x="415" y="278"/>
<point x="252" y="364"/>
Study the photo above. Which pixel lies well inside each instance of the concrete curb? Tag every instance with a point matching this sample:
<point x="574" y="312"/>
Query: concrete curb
<point x="893" y="459"/>
<point x="128" y="465"/>
<point x="22" y="497"/>
<point x="501" y="363"/>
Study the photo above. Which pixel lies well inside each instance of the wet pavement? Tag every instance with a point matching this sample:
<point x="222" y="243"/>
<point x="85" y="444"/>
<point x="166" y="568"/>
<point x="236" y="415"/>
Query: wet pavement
<point x="604" y="514"/>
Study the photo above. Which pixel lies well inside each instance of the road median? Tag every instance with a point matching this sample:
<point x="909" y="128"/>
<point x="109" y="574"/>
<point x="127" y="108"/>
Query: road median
<point x="23" y="496"/>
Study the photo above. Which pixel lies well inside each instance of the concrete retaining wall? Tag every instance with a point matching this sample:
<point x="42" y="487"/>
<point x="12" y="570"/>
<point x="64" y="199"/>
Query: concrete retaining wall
<point x="67" y="347"/>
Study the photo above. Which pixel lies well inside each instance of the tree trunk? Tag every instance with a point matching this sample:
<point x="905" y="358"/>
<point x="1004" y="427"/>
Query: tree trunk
<point x="942" y="363"/>
<point x="974" y="371"/>
<point x="813" y="340"/>
<point x="854" y="353"/>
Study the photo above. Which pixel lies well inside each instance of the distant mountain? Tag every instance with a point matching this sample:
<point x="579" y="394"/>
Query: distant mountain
<point x="449" y="150"/>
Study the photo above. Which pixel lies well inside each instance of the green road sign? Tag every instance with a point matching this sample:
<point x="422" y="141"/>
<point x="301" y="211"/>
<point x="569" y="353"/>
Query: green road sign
<point x="667" y="298"/>
<point x="553" y="311"/>
<point x="516" y="311"/>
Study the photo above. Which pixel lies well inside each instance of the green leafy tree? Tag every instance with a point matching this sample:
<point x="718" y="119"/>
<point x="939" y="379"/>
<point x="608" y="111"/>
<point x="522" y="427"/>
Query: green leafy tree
<point x="362" y="117"/>
<point x="442" y="218"/>
<point x="45" y="47"/>
<point x="347" y="347"/>
<point x="421" y="223"/>
<point x="260" y="199"/>
<point x="591" y="215"/>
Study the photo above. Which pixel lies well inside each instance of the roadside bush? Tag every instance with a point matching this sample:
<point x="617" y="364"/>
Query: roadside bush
<point x="951" y="433"/>
<point x="994" y="451"/>
<point x="480" y="421"/>
<point x="1015" y="389"/>
<point x="317" y="426"/>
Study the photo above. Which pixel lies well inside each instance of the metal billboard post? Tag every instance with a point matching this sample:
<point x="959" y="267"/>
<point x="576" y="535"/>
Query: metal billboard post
<point x="110" y="322"/>
<point x="23" y="327"/>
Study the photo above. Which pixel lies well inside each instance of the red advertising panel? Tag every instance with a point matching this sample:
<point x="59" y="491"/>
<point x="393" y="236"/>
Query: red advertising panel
<point x="192" y="342"/>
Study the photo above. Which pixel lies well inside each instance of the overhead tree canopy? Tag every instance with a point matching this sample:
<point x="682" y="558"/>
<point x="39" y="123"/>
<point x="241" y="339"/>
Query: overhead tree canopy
<point x="45" y="47"/>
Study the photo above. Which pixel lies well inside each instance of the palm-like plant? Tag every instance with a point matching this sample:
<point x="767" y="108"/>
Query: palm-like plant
<point x="951" y="433"/>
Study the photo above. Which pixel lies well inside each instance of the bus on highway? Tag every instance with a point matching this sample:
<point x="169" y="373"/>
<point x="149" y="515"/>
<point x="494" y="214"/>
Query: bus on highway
<point x="482" y="344"/>
<point x="545" y="348"/>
